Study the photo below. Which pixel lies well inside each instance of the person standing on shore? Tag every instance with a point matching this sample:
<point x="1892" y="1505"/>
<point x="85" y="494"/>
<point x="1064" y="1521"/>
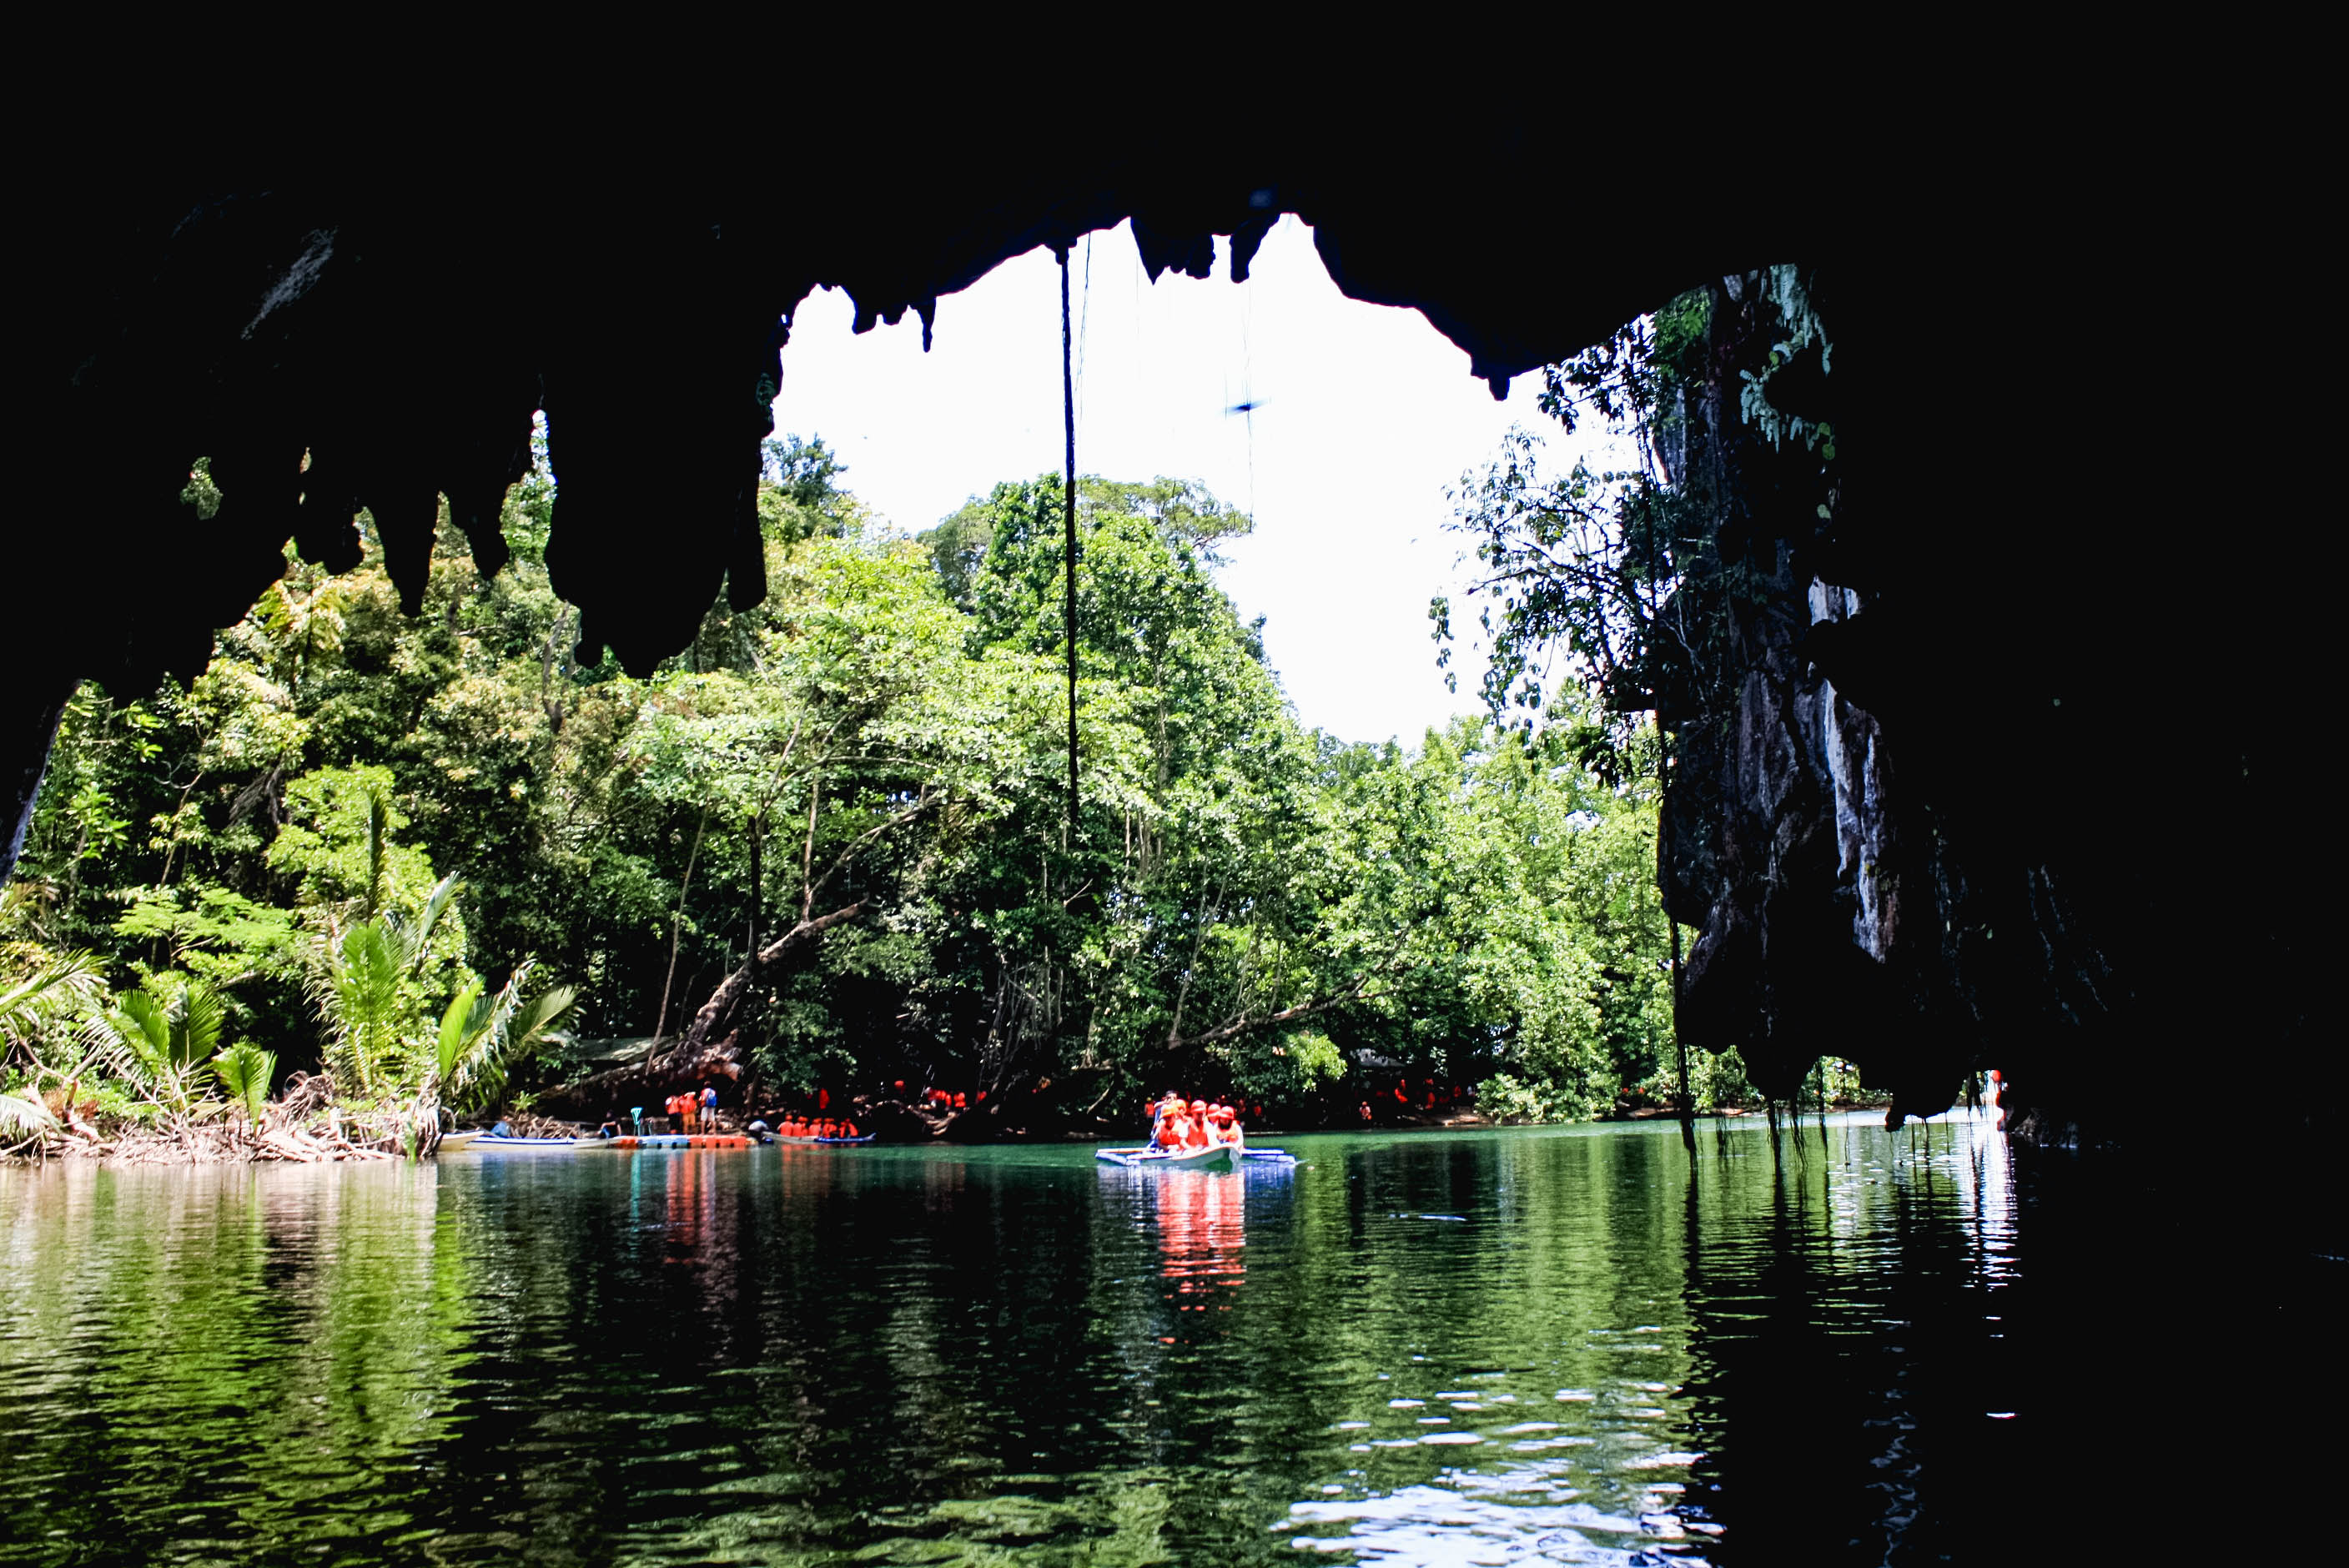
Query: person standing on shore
<point x="708" y="1109"/>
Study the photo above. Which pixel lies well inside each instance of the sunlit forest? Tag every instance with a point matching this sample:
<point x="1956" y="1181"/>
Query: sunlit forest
<point x="452" y="861"/>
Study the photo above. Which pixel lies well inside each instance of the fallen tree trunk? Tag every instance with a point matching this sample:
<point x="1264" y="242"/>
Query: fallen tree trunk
<point x="645" y="1083"/>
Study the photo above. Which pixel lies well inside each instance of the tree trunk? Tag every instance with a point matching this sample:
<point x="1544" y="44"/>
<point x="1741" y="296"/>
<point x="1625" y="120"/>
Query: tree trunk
<point x="758" y="837"/>
<point x="717" y="1014"/>
<point x="676" y="925"/>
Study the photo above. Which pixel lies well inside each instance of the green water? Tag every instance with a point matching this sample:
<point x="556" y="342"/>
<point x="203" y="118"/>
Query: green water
<point x="1574" y="1345"/>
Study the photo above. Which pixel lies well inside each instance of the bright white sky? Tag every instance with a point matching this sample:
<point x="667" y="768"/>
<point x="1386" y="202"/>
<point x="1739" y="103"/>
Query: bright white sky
<point x="1365" y="416"/>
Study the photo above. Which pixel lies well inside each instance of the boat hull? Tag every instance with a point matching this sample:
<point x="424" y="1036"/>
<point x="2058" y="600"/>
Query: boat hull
<point x="669" y="1140"/>
<point x="1218" y="1158"/>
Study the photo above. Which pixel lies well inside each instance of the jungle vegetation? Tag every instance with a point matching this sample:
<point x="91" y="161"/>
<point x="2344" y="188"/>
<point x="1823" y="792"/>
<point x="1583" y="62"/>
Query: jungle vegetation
<point x="446" y="860"/>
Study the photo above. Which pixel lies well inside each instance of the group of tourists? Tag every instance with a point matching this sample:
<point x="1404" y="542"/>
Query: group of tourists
<point x="815" y="1127"/>
<point x="1179" y="1124"/>
<point x="688" y="1107"/>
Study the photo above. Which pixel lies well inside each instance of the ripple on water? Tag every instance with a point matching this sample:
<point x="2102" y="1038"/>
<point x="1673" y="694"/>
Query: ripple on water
<point x="1518" y="1514"/>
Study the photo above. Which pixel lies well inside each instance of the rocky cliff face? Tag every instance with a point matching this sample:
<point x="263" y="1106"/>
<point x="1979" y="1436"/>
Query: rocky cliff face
<point x="1946" y="797"/>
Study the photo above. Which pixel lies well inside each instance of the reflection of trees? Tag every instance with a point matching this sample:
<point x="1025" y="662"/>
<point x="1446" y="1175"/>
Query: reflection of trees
<point x="794" y="1351"/>
<point x="246" y="1345"/>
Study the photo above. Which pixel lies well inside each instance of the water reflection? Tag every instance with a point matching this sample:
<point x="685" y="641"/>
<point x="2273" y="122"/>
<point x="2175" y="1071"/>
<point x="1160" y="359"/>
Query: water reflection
<point x="1574" y="1346"/>
<point x="1201" y="1234"/>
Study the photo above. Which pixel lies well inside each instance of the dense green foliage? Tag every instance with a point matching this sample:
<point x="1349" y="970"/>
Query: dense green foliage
<point x="836" y="829"/>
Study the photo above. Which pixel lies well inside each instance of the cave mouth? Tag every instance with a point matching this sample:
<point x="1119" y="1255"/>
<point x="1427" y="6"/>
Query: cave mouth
<point x="263" y="305"/>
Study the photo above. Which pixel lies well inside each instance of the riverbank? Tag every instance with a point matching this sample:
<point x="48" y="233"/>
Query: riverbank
<point x="306" y="1126"/>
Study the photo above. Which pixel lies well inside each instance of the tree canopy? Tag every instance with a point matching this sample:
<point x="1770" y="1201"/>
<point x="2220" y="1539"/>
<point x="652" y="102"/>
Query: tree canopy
<point x="834" y="832"/>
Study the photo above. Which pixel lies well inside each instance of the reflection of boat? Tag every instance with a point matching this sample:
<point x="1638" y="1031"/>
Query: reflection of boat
<point x="1214" y="1157"/>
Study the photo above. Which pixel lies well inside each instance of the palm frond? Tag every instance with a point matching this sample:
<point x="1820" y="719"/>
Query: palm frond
<point x="245" y="1071"/>
<point x="59" y="985"/>
<point x="356" y="984"/>
<point x="543" y="1012"/>
<point x="21" y="1116"/>
<point x="509" y="1030"/>
<point x="378" y="840"/>
<point x="469" y="1014"/>
<point x="196" y="1025"/>
<point x="414" y="938"/>
<point x="144" y="1024"/>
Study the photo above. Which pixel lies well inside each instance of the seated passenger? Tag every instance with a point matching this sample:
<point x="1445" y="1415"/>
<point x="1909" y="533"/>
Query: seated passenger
<point x="1174" y="1127"/>
<point x="1227" y="1127"/>
<point x="848" y="1129"/>
<point x="1194" y="1125"/>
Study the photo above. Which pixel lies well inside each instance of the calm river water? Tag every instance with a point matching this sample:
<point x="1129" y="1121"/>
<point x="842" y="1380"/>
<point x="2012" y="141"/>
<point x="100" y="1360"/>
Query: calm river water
<point x="1570" y="1345"/>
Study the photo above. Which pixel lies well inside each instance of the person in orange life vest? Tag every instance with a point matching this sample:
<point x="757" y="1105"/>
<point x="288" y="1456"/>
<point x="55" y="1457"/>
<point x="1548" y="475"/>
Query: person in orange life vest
<point x="1225" y="1126"/>
<point x="1169" y="1104"/>
<point x="1174" y="1127"/>
<point x="848" y="1129"/>
<point x="1194" y="1125"/>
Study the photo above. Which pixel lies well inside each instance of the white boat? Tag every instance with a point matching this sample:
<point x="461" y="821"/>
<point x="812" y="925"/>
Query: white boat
<point x="1214" y="1157"/>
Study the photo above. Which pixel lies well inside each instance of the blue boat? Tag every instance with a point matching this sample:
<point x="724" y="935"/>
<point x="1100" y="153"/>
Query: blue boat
<point x="1214" y="1157"/>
